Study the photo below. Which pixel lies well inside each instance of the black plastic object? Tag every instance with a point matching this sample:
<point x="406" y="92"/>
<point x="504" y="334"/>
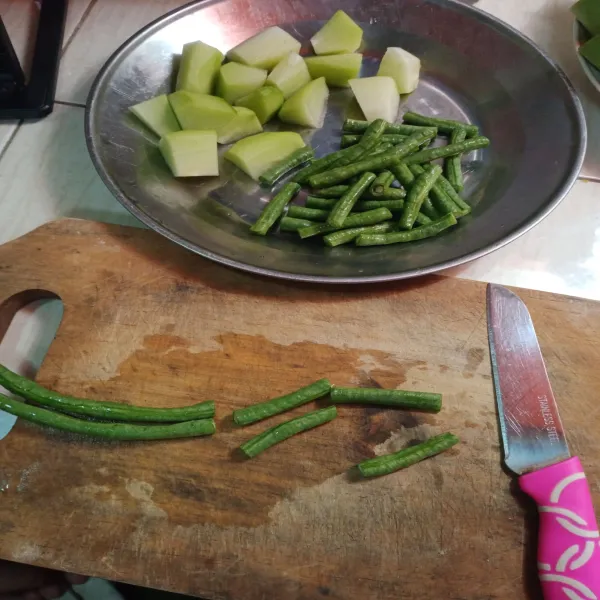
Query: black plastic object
<point x="33" y="98"/>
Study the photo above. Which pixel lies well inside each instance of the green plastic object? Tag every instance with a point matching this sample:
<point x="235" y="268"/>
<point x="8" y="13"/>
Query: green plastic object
<point x="307" y="107"/>
<point x="337" y="69"/>
<point x="591" y="51"/>
<point x="236" y="81"/>
<point x="201" y="112"/>
<point x="191" y="153"/>
<point x="339" y="35"/>
<point x="157" y="114"/>
<point x="265" y="49"/>
<point x="198" y="68"/>
<point x="264" y="102"/>
<point x="587" y="13"/>
<point x="256" y="154"/>
<point x="245" y="123"/>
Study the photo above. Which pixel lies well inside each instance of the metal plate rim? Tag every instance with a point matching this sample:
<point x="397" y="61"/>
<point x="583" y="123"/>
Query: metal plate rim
<point x="92" y="102"/>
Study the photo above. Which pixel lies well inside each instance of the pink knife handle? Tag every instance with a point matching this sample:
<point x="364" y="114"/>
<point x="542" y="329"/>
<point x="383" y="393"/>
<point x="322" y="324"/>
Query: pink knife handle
<point x="569" y="544"/>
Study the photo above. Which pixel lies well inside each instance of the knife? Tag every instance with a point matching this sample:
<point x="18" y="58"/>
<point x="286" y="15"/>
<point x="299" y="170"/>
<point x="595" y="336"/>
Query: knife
<point x="535" y="448"/>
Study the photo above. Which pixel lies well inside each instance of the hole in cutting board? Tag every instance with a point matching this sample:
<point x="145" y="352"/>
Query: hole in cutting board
<point x="28" y="323"/>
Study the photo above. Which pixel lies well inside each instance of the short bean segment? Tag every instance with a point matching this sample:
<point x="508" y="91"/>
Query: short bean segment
<point x="274" y="209"/>
<point x="264" y="410"/>
<point x="370" y="217"/>
<point x="311" y="214"/>
<point x="450" y="150"/>
<point x="345" y="236"/>
<point x="407" y="178"/>
<point x="382" y="183"/>
<point x="400" y="398"/>
<point x="439" y="199"/>
<point x="291" y="224"/>
<point x="286" y="430"/>
<point x="452" y="165"/>
<point x="344" y="205"/>
<point x="389" y="463"/>
<point x="300" y="156"/>
<point x="419" y="233"/>
<point x="417" y="194"/>
<point x="319" y="165"/>
<point x="355" y="126"/>
<point x="445" y="126"/>
<point x="373" y="163"/>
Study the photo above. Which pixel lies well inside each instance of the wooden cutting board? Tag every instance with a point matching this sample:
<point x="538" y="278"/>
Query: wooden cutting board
<point x="149" y="323"/>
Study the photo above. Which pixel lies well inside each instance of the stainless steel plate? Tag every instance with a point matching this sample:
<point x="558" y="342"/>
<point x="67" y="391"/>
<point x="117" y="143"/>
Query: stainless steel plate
<point x="474" y="68"/>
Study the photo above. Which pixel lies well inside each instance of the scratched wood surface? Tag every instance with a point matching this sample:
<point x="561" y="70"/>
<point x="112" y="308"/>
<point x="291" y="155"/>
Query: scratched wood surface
<point x="148" y="323"/>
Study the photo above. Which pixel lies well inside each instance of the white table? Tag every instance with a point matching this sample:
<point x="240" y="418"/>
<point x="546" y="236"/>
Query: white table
<point x="45" y="171"/>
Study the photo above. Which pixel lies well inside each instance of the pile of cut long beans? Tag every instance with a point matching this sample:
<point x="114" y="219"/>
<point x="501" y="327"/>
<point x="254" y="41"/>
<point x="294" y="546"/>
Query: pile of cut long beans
<point x="381" y="187"/>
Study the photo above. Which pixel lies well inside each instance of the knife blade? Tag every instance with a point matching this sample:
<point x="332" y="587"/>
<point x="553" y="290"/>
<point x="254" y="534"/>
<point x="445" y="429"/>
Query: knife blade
<point x="535" y="448"/>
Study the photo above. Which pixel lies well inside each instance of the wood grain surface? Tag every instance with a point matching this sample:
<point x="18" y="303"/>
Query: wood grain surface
<point x="148" y="323"/>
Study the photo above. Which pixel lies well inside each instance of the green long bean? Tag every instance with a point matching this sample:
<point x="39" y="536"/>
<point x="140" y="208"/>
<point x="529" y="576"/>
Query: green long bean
<point x="440" y="200"/>
<point x="293" y="224"/>
<point x="444" y="151"/>
<point x="402" y="398"/>
<point x="344" y="205"/>
<point x="391" y="138"/>
<point x="286" y="430"/>
<point x="447" y="188"/>
<point x="382" y="183"/>
<point x="417" y="194"/>
<point x="337" y="191"/>
<point x="392" y="205"/>
<point x="113" y="411"/>
<point x="370" y="217"/>
<point x="373" y="133"/>
<point x="374" y="163"/>
<point x="274" y="209"/>
<point x="354" y="126"/>
<point x="360" y="206"/>
<point x="311" y="214"/>
<point x="298" y="157"/>
<point x="319" y="165"/>
<point x="389" y="463"/>
<point x="114" y="431"/>
<point x="275" y="406"/>
<point x="370" y="143"/>
<point x="345" y="236"/>
<point x="420" y="233"/>
<point x="423" y="219"/>
<point x="407" y="178"/>
<point x="452" y="165"/>
<point x="446" y="126"/>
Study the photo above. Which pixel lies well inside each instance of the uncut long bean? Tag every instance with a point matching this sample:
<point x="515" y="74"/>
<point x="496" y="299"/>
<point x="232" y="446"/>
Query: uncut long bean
<point x="113" y="411"/>
<point x="113" y="431"/>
